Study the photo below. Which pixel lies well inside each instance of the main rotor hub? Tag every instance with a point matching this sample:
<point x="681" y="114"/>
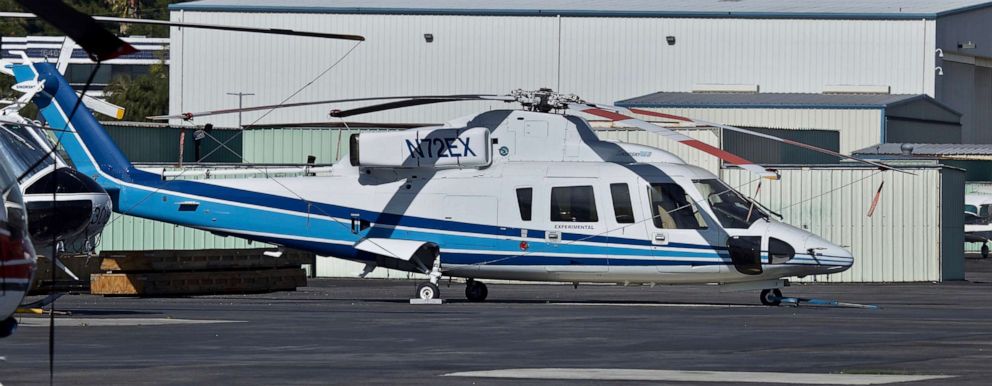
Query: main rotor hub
<point x="544" y="100"/>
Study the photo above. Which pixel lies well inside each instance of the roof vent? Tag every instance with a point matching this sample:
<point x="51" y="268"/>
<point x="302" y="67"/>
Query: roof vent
<point x="726" y="88"/>
<point x="906" y="148"/>
<point x="856" y="89"/>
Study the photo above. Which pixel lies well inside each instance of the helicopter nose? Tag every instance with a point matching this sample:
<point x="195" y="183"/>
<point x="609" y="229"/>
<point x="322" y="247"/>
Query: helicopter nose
<point x="827" y="254"/>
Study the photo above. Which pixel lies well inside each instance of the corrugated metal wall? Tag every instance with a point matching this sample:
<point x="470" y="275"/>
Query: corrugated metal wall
<point x="601" y="59"/>
<point x="768" y="152"/>
<point x="127" y="233"/>
<point x="142" y="142"/>
<point x="905" y="238"/>
<point x="293" y="144"/>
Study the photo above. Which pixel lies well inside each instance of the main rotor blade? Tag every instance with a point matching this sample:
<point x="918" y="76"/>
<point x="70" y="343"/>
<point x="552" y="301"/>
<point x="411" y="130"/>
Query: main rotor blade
<point x="673" y="135"/>
<point x="879" y="165"/>
<point x="188" y="116"/>
<point x="415" y="102"/>
<point x="97" y="41"/>
<point x="124" y="20"/>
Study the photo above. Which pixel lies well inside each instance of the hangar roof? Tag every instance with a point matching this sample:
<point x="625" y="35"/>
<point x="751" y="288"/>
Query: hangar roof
<point x="807" y="9"/>
<point x="928" y="149"/>
<point x="775" y="100"/>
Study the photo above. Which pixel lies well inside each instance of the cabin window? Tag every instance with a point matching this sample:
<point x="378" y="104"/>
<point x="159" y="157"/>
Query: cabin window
<point x="622" y="208"/>
<point x="573" y="204"/>
<point x="729" y="206"/>
<point x="672" y="208"/>
<point x="525" y="197"/>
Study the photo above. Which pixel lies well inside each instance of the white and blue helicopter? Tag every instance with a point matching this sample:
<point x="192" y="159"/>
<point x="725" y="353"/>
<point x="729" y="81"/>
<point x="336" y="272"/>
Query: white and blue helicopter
<point x="518" y="194"/>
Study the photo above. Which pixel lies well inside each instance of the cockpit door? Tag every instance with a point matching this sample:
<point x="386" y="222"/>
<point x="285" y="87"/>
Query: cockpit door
<point x="745" y="253"/>
<point x="678" y="229"/>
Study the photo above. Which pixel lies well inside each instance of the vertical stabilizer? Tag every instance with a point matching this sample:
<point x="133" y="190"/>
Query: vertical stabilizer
<point x="87" y="143"/>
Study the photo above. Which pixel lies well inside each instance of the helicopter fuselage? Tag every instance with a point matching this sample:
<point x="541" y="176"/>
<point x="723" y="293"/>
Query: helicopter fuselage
<point x="550" y="202"/>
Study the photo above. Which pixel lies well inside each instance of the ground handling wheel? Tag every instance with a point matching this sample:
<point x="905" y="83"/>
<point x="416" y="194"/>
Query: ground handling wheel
<point x="771" y="297"/>
<point x="476" y="291"/>
<point x="7" y="327"/>
<point x="985" y="251"/>
<point x="428" y="291"/>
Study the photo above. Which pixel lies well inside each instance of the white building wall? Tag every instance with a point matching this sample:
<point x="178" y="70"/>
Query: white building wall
<point x="602" y="59"/>
<point x="858" y="128"/>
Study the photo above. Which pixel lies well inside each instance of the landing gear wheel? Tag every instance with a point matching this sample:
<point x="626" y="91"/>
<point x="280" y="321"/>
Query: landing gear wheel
<point x="7" y="327"/>
<point x="476" y="291"/>
<point x="985" y="251"/>
<point x="771" y="297"/>
<point x="428" y="291"/>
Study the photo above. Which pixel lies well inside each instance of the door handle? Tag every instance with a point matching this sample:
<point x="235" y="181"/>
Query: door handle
<point x="660" y="239"/>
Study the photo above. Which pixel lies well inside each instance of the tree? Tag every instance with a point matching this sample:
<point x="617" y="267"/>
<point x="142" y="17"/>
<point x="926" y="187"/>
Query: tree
<point x="152" y="9"/>
<point x="143" y="95"/>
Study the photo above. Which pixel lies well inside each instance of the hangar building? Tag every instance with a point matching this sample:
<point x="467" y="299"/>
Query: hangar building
<point x="604" y="51"/>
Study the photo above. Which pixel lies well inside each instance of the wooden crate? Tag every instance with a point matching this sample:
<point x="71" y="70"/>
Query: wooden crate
<point x="197" y="283"/>
<point x="198" y="272"/>
<point x="199" y="260"/>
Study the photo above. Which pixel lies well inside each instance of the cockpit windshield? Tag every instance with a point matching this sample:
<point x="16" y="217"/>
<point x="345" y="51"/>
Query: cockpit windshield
<point x="21" y="150"/>
<point x="730" y="208"/>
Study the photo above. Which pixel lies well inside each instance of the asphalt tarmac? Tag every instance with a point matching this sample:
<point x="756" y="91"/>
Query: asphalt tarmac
<point x="366" y="332"/>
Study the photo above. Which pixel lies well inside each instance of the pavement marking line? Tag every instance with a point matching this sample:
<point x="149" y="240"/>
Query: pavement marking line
<point x="114" y="322"/>
<point x="679" y="305"/>
<point x="697" y="376"/>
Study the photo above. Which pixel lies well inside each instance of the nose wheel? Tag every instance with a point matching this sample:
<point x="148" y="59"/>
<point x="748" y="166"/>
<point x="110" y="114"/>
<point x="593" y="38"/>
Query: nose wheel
<point x="476" y="291"/>
<point x="771" y="297"/>
<point x="428" y="291"/>
<point x="985" y="251"/>
<point x="7" y="327"/>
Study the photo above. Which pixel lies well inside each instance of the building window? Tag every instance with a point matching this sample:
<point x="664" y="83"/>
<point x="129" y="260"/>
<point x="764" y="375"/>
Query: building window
<point x="622" y="208"/>
<point x="672" y="208"/>
<point x="573" y="204"/>
<point x="524" y="198"/>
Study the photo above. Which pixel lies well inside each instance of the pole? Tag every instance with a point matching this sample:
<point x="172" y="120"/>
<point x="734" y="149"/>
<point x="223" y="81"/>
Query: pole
<point x="240" y="96"/>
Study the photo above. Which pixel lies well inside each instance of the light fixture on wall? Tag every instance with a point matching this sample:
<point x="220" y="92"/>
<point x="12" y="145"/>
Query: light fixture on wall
<point x="670" y="40"/>
<point x="940" y="71"/>
<point x="968" y="45"/>
<point x="429" y="38"/>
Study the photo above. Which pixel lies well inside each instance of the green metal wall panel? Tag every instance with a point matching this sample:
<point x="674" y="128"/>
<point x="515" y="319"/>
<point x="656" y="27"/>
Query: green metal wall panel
<point x="158" y="143"/>
<point x="134" y="234"/>
<point x="292" y="145"/>
<point x="767" y="152"/>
